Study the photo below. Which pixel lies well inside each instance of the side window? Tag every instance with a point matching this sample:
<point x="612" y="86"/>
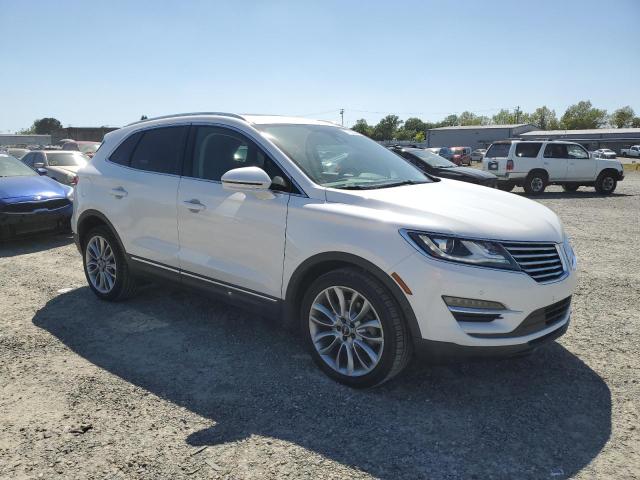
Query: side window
<point x="40" y="157"/>
<point x="555" y="150"/>
<point x="122" y="154"/>
<point x="577" y="152"/>
<point x="160" y="150"/>
<point x="529" y="150"/>
<point x="28" y="159"/>
<point x="217" y="150"/>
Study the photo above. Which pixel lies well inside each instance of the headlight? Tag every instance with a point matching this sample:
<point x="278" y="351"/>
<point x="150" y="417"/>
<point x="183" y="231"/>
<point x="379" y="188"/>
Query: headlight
<point x="481" y="253"/>
<point x="569" y="253"/>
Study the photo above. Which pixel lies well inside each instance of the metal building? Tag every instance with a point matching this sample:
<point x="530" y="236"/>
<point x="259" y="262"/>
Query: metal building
<point x="593" y="139"/>
<point x="17" y="139"/>
<point x="474" y="136"/>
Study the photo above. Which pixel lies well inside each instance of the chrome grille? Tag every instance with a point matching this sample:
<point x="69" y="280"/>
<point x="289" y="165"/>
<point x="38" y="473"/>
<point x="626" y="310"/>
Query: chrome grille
<point x="540" y="260"/>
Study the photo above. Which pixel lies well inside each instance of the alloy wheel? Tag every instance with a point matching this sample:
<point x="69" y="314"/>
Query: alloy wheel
<point x="346" y="331"/>
<point x="101" y="264"/>
<point x="607" y="184"/>
<point x="536" y="184"/>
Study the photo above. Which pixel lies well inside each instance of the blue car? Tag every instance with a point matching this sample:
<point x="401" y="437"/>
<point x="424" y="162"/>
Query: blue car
<point x="30" y="202"/>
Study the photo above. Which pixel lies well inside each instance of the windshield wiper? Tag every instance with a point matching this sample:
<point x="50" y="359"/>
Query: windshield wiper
<point x="398" y="184"/>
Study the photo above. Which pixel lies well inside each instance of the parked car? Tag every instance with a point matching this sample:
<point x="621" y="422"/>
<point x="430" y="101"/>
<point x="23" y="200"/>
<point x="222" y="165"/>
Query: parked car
<point x="370" y="265"/>
<point x="604" y="153"/>
<point x="634" y="151"/>
<point x="444" y="152"/>
<point x="461" y="155"/>
<point x="478" y="154"/>
<point x="438" y="166"/>
<point x="29" y="202"/>
<point x="88" y="148"/>
<point x="17" y="152"/>
<point x="58" y="164"/>
<point x="534" y="165"/>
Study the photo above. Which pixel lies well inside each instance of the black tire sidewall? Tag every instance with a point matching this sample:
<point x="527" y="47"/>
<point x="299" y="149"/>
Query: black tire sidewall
<point x="600" y="184"/>
<point x="529" y="180"/>
<point x="121" y="269"/>
<point x="354" y="280"/>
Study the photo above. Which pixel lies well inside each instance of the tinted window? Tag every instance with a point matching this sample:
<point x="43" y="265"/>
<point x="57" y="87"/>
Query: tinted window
<point x="555" y="150"/>
<point x="122" y="154"/>
<point x="217" y="150"/>
<point x="66" y="159"/>
<point x="498" y="150"/>
<point x="576" y="151"/>
<point x="28" y="159"/>
<point x="529" y="150"/>
<point x="160" y="150"/>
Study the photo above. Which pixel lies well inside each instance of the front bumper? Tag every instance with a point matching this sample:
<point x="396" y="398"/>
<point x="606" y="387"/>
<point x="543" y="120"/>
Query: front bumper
<point x="431" y="279"/>
<point x="12" y="224"/>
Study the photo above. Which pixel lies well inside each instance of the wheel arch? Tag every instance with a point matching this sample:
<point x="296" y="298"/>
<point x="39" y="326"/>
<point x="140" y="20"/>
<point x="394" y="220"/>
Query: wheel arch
<point x="538" y="170"/>
<point x="90" y="219"/>
<point x="322" y="263"/>
<point x="609" y="170"/>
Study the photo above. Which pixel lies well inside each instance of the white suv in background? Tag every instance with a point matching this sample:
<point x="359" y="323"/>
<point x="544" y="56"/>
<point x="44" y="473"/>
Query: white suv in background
<point x="535" y="164"/>
<point x="369" y="260"/>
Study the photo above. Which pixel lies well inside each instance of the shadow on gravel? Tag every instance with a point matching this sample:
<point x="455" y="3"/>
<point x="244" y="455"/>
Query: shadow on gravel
<point x="543" y="416"/>
<point x="579" y="195"/>
<point x="33" y="244"/>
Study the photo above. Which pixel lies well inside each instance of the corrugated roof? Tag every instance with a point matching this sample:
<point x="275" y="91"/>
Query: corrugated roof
<point x="468" y="127"/>
<point x="591" y="131"/>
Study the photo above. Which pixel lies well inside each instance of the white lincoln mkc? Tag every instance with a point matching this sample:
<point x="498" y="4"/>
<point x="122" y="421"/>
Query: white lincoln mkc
<point x="369" y="257"/>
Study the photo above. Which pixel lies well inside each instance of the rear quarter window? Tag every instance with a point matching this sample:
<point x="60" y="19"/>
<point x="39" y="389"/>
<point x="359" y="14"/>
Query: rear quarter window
<point x="498" y="150"/>
<point x="160" y="150"/>
<point x="122" y="154"/>
<point x="529" y="150"/>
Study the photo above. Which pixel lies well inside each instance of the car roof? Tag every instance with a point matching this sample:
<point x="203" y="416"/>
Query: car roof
<point x="255" y="119"/>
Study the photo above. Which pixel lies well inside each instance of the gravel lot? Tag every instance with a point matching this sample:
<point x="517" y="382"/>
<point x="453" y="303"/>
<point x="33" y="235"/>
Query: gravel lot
<point x="172" y="385"/>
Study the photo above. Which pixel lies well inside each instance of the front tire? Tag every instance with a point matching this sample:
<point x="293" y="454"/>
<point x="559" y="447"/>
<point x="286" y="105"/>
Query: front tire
<point x="354" y="329"/>
<point x="105" y="266"/>
<point x="535" y="183"/>
<point x="606" y="183"/>
<point x="506" y="187"/>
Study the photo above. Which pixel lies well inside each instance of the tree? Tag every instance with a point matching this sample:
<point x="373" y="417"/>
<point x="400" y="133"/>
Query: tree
<point x="583" y="115"/>
<point x="415" y="124"/>
<point x="635" y="123"/>
<point x="622" y="117"/>
<point x="544" y="118"/>
<point x="504" y="117"/>
<point x="469" y="118"/>
<point x="46" y="126"/>
<point x="419" y="137"/>
<point x="361" y="126"/>
<point x="143" y="117"/>
<point x="449" y="121"/>
<point x="387" y="128"/>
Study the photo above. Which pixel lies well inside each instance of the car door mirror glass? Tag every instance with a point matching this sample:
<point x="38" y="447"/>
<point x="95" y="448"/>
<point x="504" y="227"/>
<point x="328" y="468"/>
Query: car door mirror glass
<point x="41" y="171"/>
<point x="246" y="178"/>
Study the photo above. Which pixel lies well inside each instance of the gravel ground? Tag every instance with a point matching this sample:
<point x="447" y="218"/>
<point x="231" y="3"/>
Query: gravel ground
<point x="172" y="385"/>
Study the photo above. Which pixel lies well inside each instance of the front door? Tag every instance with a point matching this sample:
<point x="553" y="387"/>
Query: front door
<point x="233" y="237"/>
<point x="581" y="166"/>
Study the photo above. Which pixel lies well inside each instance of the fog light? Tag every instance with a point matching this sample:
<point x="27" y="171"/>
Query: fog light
<point x="472" y="303"/>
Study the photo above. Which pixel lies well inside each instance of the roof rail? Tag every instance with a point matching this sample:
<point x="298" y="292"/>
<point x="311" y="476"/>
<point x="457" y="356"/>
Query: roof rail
<point x="224" y="114"/>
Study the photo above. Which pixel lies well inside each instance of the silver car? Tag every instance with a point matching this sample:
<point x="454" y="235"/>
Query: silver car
<point x="59" y="165"/>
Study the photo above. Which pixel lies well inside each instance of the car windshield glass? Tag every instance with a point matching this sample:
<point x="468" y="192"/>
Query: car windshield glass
<point x="498" y="150"/>
<point x="66" y="159"/>
<point x="431" y="158"/>
<point x="12" y="167"/>
<point x="88" y="147"/>
<point x="341" y="158"/>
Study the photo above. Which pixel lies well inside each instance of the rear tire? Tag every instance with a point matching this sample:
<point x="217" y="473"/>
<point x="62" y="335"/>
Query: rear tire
<point x="354" y="329"/>
<point x="535" y="183"/>
<point x="570" y="188"/>
<point x="506" y="187"/>
<point x="105" y="266"/>
<point x="606" y="183"/>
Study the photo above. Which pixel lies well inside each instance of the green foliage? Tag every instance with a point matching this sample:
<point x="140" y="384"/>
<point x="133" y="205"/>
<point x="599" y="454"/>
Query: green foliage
<point x="622" y="117"/>
<point x="504" y="117"/>
<point x="387" y="128"/>
<point x="583" y="115"/>
<point x="144" y="117"/>
<point x="46" y="126"/>
<point x="544" y="118"/>
<point x="635" y="123"/>
<point x="419" y="137"/>
<point x="361" y="126"/>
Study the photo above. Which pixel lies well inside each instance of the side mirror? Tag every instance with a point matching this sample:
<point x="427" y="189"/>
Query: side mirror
<point x="38" y="165"/>
<point x="246" y="178"/>
<point x="41" y="171"/>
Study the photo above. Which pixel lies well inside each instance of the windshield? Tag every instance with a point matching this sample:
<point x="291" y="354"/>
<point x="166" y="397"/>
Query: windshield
<point x="341" y="158"/>
<point x="431" y="158"/>
<point x="66" y="159"/>
<point x="12" y="167"/>
<point x="88" y="147"/>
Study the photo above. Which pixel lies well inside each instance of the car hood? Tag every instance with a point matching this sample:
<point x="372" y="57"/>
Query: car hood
<point x="466" y="172"/>
<point x="31" y="186"/>
<point x="455" y="208"/>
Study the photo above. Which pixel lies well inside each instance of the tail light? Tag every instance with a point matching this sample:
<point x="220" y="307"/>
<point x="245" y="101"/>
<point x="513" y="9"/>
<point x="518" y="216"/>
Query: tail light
<point x="74" y="180"/>
<point x="509" y="164"/>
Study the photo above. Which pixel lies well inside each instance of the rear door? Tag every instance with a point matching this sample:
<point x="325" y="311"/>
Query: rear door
<point x="138" y="193"/>
<point x="581" y="166"/>
<point x="555" y="161"/>
<point x="231" y="237"/>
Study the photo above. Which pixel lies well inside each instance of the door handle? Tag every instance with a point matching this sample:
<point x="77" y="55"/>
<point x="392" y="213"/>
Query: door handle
<point x="118" y="192"/>
<point x="194" y="205"/>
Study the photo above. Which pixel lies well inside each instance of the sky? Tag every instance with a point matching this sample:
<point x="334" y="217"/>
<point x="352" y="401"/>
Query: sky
<point x="95" y="63"/>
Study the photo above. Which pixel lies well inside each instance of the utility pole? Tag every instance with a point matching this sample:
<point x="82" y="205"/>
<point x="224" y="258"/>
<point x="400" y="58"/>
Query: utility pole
<point x="517" y="112"/>
<point x="342" y="116"/>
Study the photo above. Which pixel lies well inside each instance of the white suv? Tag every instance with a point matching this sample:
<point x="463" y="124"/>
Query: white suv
<point x="369" y="260"/>
<point x="536" y="164"/>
